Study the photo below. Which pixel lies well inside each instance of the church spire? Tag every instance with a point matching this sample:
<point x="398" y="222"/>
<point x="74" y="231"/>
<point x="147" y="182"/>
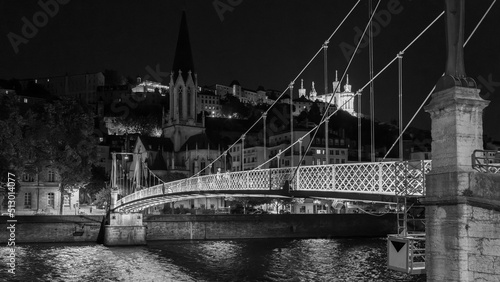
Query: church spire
<point x="183" y="60"/>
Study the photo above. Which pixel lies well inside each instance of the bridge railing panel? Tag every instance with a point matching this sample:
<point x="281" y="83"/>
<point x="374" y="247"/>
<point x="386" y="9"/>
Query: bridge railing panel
<point x="388" y="178"/>
<point x="355" y="177"/>
<point x="410" y="177"/>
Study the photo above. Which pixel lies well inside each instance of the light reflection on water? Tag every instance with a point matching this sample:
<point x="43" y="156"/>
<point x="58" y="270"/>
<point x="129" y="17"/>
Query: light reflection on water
<point x="241" y="260"/>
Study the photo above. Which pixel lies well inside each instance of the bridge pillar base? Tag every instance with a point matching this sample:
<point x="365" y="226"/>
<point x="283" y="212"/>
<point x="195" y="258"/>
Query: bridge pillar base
<point x="125" y="230"/>
<point x="462" y="237"/>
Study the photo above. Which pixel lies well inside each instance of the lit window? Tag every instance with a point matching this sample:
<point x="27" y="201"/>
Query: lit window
<point x="50" y="200"/>
<point x="25" y="100"/>
<point x="27" y="200"/>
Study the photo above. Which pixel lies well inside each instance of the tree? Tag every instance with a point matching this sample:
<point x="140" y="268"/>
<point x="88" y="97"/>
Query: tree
<point x="72" y="150"/>
<point x="314" y="114"/>
<point x="57" y="135"/>
<point x="232" y="105"/>
<point x="103" y="197"/>
<point x="96" y="183"/>
<point x="142" y="124"/>
<point x="13" y="147"/>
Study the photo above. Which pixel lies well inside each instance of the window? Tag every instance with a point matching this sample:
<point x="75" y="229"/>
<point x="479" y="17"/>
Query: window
<point x="66" y="200"/>
<point x="27" y="200"/>
<point x="50" y="200"/>
<point x="52" y="176"/>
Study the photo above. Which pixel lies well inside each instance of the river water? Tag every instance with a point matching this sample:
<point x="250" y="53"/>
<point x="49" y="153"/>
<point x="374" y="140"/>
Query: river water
<point x="239" y="260"/>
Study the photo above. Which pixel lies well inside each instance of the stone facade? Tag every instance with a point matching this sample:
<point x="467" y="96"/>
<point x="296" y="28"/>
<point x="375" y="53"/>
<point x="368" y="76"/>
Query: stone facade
<point x="463" y="206"/>
<point x="465" y="243"/>
<point x="40" y="194"/>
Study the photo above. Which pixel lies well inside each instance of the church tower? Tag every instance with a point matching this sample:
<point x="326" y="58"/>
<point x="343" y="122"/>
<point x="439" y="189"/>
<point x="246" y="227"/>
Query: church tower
<point x="346" y="99"/>
<point x="180" y="122"/>
<point x="313" y="93"/>
<point x="302" y="90"/>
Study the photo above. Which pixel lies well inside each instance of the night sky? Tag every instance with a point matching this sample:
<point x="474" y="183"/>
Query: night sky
<point x="256" y="42"/>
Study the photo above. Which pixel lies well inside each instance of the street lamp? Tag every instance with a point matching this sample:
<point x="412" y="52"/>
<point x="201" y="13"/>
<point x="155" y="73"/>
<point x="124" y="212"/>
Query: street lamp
<point x="264" y="116"/>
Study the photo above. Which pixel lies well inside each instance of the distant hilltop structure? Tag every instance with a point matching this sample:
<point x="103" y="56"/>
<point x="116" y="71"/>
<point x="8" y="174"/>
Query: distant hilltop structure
<point x="341" y="99"/>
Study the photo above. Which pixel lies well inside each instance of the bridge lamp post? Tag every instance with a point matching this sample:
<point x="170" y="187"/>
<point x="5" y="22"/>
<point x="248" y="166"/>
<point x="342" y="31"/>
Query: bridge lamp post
<point x="279" y="156"/>
<point x="224" y="156"/>
<point x="291" y="123"/>
<point x="242" y="152"/>
<point x="327" y="155"/>
<point x="300" y="150"/>
<point x="264" y="116"/>
<point x="316" y="204"/>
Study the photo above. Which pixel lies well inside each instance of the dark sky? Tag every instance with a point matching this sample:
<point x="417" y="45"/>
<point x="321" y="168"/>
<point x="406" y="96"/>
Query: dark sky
<point x="257" y="42"/>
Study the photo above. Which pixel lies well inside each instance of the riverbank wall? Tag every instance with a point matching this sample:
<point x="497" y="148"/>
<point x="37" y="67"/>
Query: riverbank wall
<point x="86" y="228"/>
<point x="216" y="227"/>
<point x="51" y="228"/>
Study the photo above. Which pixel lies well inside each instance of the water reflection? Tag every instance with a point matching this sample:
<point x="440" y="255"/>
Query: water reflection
<point x="242" y="260"/>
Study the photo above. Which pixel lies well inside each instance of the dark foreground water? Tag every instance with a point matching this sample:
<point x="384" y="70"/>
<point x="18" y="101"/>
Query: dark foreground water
<point x="241" y="260"/>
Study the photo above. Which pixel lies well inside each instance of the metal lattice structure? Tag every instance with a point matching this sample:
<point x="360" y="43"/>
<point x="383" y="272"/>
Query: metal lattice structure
<point x="410" y="186"/>
<point x="382" y="178"/>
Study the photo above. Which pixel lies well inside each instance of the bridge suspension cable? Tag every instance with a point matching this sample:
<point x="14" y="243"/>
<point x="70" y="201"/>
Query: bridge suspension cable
<point x="368" y="83"/>
<point x="432" y="90"/>
<point x="279" y="97"/>
<point x="325" y="116"/>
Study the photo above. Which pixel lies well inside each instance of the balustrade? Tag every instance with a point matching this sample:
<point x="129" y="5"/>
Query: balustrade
<point x="384" y="178"/>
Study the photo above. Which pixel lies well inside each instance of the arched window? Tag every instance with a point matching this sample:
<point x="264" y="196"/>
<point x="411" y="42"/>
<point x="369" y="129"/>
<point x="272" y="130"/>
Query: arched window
<point x="179" y="98"/>
<point x="189" y="101"/>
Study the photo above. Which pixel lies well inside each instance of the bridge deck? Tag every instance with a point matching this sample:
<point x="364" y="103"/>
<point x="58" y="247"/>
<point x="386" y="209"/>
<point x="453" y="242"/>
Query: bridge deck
<point x="357" y="181"/>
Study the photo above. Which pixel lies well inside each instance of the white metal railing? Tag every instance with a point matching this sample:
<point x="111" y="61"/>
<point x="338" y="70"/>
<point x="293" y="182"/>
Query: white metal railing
<point x="375" y="178"/>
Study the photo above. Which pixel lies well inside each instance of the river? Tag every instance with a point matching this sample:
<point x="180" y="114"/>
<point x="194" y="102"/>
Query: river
<point x="238" y="260"/>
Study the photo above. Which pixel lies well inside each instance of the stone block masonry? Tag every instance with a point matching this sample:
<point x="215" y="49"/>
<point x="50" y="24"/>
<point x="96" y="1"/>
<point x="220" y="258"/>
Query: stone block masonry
<point x="215" y="227"/>
<point x="467" y="249"/>
<point x="54" y="229"/>
<point x="125" y="229"/>
<point x="462" y="205"/>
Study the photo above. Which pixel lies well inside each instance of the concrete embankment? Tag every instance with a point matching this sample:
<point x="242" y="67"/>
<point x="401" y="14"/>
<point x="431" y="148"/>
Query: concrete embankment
<point x="213" y="227"/>
<point x="52" y="228"/>
<point x="84" y="228"/>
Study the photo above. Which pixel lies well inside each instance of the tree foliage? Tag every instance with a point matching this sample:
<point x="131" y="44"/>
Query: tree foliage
<point x="97" y="182"/>
<point x="149" y="125"/>
<point x="232" y="105"/>
<point x="56" y="135"/>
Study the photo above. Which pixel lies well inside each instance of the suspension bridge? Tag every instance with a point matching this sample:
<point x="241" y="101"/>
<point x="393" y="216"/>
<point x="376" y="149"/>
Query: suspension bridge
<point x="380" y="182"/>
<point x="449" y="207"/>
